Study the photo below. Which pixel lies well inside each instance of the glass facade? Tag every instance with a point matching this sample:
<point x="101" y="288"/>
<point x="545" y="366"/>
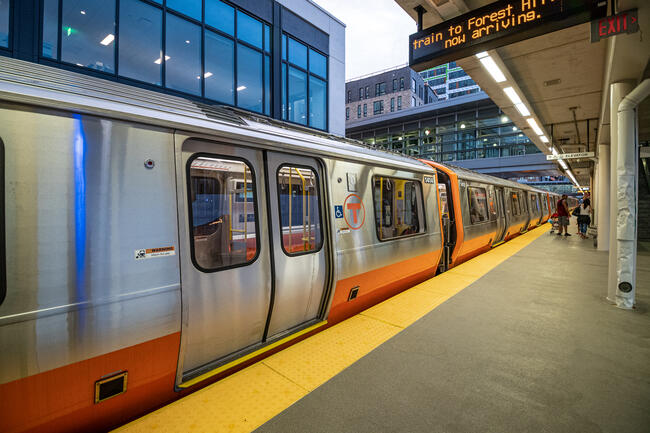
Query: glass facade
<point x="304" y="84"/>
<point x="204" y="48"/>
<point x="482" y="132"/>
<point x="4" y="23"/>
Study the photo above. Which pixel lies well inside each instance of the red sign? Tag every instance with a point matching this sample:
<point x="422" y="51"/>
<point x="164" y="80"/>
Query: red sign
<point x="354" y="212"/>
<point x="625" y="22"/>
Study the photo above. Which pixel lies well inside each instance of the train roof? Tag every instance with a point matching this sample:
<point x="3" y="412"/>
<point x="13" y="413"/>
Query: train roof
<point x="35" y="84"/>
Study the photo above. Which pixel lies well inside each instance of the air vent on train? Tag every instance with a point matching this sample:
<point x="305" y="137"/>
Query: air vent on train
<point x="110" y="386"/>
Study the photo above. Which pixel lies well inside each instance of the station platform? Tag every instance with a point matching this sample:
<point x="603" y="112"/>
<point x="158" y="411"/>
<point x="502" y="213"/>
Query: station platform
<point x="518" y="339"/>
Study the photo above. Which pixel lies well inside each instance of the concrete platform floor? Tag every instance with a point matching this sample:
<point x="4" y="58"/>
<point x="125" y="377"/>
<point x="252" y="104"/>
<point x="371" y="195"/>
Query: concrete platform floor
<point x="532" y="346"/>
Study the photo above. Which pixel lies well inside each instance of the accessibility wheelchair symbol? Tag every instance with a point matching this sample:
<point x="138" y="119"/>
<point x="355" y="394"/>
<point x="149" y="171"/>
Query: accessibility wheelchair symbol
<point x="338" y="211"/>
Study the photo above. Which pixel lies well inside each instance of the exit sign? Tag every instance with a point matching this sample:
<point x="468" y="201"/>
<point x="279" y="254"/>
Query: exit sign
<point x="624" y="22"/>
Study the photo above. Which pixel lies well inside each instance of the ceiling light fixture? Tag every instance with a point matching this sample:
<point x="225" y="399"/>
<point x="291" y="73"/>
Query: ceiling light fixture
<point x="504" y="119"/>
<point x="159" y="60"/>
<point x="207" y="75"/>
<point x="523" y="110"/>
<point x="240" y="88"/>
<point x="108" y="39"/>
<point x="510" y="93"/>
<point x="482" y="54"/>
<point x="533" y="124"/>
<point x="543" y="138"/>
<point x="493" y="69"/>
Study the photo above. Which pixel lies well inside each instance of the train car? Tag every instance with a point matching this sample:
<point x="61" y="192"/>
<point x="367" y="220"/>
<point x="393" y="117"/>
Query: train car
<point x="482" y="211"/>
<point x="154" y="244"/>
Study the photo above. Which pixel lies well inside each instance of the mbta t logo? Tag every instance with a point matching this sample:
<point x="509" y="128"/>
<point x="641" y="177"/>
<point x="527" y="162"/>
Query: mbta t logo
<point x="354" y="212"/>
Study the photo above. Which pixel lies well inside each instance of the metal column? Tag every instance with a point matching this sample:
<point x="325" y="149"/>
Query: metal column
<point x="602" y="199"/>
<point x="616" y="95"/>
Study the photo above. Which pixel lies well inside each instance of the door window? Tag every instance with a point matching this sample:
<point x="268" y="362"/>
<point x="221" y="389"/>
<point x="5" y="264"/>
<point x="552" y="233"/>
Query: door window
<point x="223" y="213"/>
<point x="515" y="204"/>
<point x="299" y="203"/>
<point x="444" y="205"/>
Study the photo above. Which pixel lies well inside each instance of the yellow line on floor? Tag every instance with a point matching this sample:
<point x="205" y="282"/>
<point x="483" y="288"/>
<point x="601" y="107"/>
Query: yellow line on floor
<point x="247" y="399"/>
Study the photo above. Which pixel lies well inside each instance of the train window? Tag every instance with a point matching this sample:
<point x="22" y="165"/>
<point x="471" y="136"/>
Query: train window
<point x="398" y="207"/>
<point x="534" y="204"/>
<point x="299" y="203"/>
<point x="478" y="209"/>
<point x="223" y="213"/>
<point x="491" y="206"/>
<point x="515" y="204"/>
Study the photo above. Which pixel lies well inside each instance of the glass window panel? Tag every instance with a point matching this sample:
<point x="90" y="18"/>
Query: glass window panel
<point x="4" y="23"/>
<point x="183" y="55"/>
<point x="89" y="38"/>
<point x="267" y="38"/>
<point x="478" y="210"/>
<point x="220" y="16"/>
<point x="249" y="29"/>
<point x="249" y="79"/>
<point x="191" y="8"/>
<point x="318" y="103"/>
<point x="284" y="91"/>
<point x="297" y="53"/>
<point x="299" y="210"/>
<point x="140" y="41"/>
<point x="398" y="207"/>
<point x="224" y="213"/>
<point x="318" y="64"/>
<point x="297" y="96"/>
<point x="267" y="85"/>
<point x="284" y="47"/>
<point x="50" y="28"/>
<point x="219" y="75"/>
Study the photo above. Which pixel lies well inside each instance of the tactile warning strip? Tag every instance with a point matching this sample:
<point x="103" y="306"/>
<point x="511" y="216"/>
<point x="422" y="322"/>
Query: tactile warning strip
<point x="247" y="399"/>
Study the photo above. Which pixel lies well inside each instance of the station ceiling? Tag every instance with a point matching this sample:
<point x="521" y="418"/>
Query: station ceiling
<point x="562" y="75"/>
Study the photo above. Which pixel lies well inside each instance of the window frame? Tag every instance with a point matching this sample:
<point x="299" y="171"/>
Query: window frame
<point x="284" y="39"/>
<point x="424" y="228"/>
<point x="320" y="209"/>
<point x="190" y="221"/>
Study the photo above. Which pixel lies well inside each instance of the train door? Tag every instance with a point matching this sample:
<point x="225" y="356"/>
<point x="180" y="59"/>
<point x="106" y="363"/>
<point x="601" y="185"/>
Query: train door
<point x="225" y="259"/>
<point x="296" y="195"/>
<point x="502" y="222"/>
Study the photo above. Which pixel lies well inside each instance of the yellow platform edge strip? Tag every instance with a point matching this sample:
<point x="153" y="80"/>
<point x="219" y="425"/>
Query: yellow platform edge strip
<point x="251" y="355"/>
<point x="247" y="399"/>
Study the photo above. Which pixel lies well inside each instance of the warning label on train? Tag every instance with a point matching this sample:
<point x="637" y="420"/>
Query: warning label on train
<point x="151" y="253"/>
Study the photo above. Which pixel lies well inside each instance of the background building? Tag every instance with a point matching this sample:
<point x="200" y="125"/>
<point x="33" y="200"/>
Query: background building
<point x="383" y="92"/>
<point x="449" y="81"/>
<point x="284" y="58"/>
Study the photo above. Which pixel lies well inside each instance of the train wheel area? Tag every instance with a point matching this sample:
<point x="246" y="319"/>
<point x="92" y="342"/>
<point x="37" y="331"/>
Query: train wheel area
<point x="528" y="345"/>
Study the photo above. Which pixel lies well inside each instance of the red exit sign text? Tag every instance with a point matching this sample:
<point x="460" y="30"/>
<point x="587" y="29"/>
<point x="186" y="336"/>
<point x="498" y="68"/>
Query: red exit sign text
<point x="624" y="22"/>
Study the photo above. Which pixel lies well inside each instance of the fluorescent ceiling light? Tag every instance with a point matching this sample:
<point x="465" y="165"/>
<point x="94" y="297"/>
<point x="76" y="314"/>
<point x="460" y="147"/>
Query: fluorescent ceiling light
<point x="543" y="138"/>
<point x="493" y="69"/>
<point x="562" y="163"/>
<point x="108" y="39"/>
<point x="554" y="151"/>
<point x="533" y="124"/>
<point x="482" y="54"/>
<point x="240" y="88"/>
<point x="510" y="92"/>
<point x="207" y="75"/>
<point x="523" y="110"/>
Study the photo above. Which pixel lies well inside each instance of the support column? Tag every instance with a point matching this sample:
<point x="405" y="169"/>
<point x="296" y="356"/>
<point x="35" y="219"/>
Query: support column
<point x="602" y="199"/>
<point x="627" y="193"/>
<point x="616" y="95"/>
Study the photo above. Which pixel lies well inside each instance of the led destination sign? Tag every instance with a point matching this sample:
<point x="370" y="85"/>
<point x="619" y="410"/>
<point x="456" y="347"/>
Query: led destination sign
<point x="497" y="24"/>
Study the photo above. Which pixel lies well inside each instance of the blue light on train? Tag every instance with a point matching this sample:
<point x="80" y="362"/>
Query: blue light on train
<point x="79" y="155"/>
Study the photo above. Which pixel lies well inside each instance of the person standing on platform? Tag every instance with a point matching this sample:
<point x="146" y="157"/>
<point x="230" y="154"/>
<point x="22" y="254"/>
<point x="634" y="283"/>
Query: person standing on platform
<point x="584" y="217"/>
<point x="563" y="215"/>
